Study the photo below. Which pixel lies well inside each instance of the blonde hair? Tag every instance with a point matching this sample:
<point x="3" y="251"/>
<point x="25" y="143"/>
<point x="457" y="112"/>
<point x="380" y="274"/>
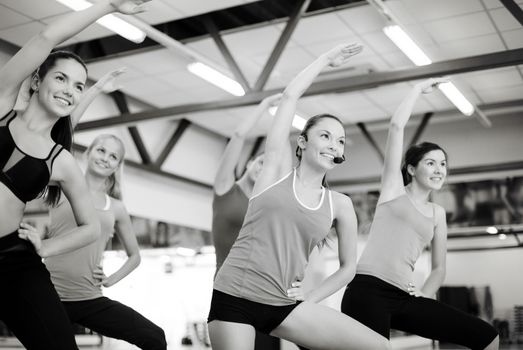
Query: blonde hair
<point x="112" y="183"/>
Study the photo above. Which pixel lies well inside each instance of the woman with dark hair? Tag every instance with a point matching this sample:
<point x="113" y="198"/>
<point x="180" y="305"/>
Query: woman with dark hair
<point x="32" y="156"/>
<point x="255" y="289"/>
<point x="382" y="295"/>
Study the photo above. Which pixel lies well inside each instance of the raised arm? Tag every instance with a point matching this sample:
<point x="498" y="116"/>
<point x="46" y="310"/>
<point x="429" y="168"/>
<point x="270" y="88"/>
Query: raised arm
<point x="225" y="175"/>
<point x="125" y="232"/>
<point x="34" y="52"/>
<point x="278" y="135"/>
<point x="105" y="84"/>
<point x="347" y="230"/>
<point x="391" y="179"/>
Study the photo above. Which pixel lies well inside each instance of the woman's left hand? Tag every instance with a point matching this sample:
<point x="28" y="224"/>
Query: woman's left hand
<point x="296" y="291"/>
<point x="100" y="278"/>
<point x="414" y="291"/>
<point x="31" y="234"/>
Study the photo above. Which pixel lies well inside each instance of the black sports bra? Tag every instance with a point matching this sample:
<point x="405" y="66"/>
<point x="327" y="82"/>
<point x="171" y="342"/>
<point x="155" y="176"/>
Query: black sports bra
<point x="26" y="176"/>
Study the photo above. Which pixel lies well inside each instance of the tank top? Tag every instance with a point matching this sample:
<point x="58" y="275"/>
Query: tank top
<point x="24" y="175"/>
<point x="398" y="234"/>
<point x="273" y="246"/>
<point x="72" y="273"/>
<point x="228" y="212"/>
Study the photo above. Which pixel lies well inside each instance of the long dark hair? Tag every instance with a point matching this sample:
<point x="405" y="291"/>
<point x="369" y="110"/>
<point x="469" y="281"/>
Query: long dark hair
<point x="414" y="154"/>
<point x="62" y="131"/>
<point x="308" y="125"/>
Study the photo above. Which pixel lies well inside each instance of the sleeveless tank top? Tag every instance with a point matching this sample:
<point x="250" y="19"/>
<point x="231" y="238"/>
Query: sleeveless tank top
<point x="72" y="273"/>
<point x="273" y="246"/>
<point x="24" y="175"/>
<point x="228" y="212"/>
<point x="398" y="234"/>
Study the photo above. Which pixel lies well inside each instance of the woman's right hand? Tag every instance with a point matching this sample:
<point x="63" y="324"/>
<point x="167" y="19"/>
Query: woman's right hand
<point x="342" y="53"/>
<point x="129" y="7"/>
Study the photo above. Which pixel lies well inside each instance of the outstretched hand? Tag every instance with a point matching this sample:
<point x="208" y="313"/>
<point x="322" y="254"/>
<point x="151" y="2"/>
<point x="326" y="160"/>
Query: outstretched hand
<point x="129" y="7"/>
<point x="427" y="86"/>
<point x="342" y="53"/>
<point x="108" y="83"/>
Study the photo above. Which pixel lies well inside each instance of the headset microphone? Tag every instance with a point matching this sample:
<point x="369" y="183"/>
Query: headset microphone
<point x="339" y="160"/>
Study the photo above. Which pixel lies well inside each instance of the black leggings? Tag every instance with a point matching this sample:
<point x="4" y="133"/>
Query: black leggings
<point x="116" y="320"/>
<point x="29" y="304"/>
<point x="382" y="306"/>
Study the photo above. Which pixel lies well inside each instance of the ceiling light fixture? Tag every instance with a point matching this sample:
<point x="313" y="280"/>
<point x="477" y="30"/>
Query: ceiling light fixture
<point x="403" y="41"/>
<point x="216" y="78"/>
<point x="111" y="22"/>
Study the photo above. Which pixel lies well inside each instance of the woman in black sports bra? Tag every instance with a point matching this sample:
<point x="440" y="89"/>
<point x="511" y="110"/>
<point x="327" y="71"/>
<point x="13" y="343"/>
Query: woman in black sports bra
<point x="32" y="156"/>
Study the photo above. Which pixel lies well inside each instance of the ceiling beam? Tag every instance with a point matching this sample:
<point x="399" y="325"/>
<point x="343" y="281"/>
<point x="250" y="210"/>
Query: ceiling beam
<point x="285" y="36"/>
<point x="226" y="53"/>
<point x="119" y="98"/>
<point x="514" y="9"/>
<point x="180" y="129"/>
<point x="345" y="84"/>
<point x="371" y="140"/>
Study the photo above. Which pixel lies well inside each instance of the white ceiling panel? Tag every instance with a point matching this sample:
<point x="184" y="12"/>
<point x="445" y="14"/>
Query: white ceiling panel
<point x="379" y="42"/>
<point x="208" y="48"/>
<point x="10" y="18"/>
<point x="156" y="61"/>
<point x="182" y="79"/>
<point x="220" y="122"/>
<point x="493" y="79"/>
<point x="36" y="9"/>
<point x="465" y="47"/>
<point x="362" y="19"/>
<point x="398" y="60"/>
<point x="438" y="101"/>
<point x="388" y="95"/>
<point x="145" y="86"/>
<point x="197" y="7"/>
<point x="319" y="48"/>
<point x="429" y="10"/>
<point x="501" y="94"/>
<point x="292" y="61"/>
<point x="172" y="98"/>
<point x="514" y="38"/>
<point x="253" y="42"/>
<point x="460" y="27"/>
<point x="504" y="19"/>
<point x="320" y="28"/>
<point x="98" y="69"/>
<point x="19" y="35"/>
<point x="156" y="134"/>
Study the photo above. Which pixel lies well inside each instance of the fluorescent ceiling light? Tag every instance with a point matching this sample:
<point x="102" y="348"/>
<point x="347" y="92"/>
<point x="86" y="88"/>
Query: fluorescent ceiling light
<point x="418" y="57"/>
<point x="298" y="121"/>
<point x="111" y="22"/>
<point x="216" y="78"/>
<point x="407" y="45"/>
<point x="457" y="98"/>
